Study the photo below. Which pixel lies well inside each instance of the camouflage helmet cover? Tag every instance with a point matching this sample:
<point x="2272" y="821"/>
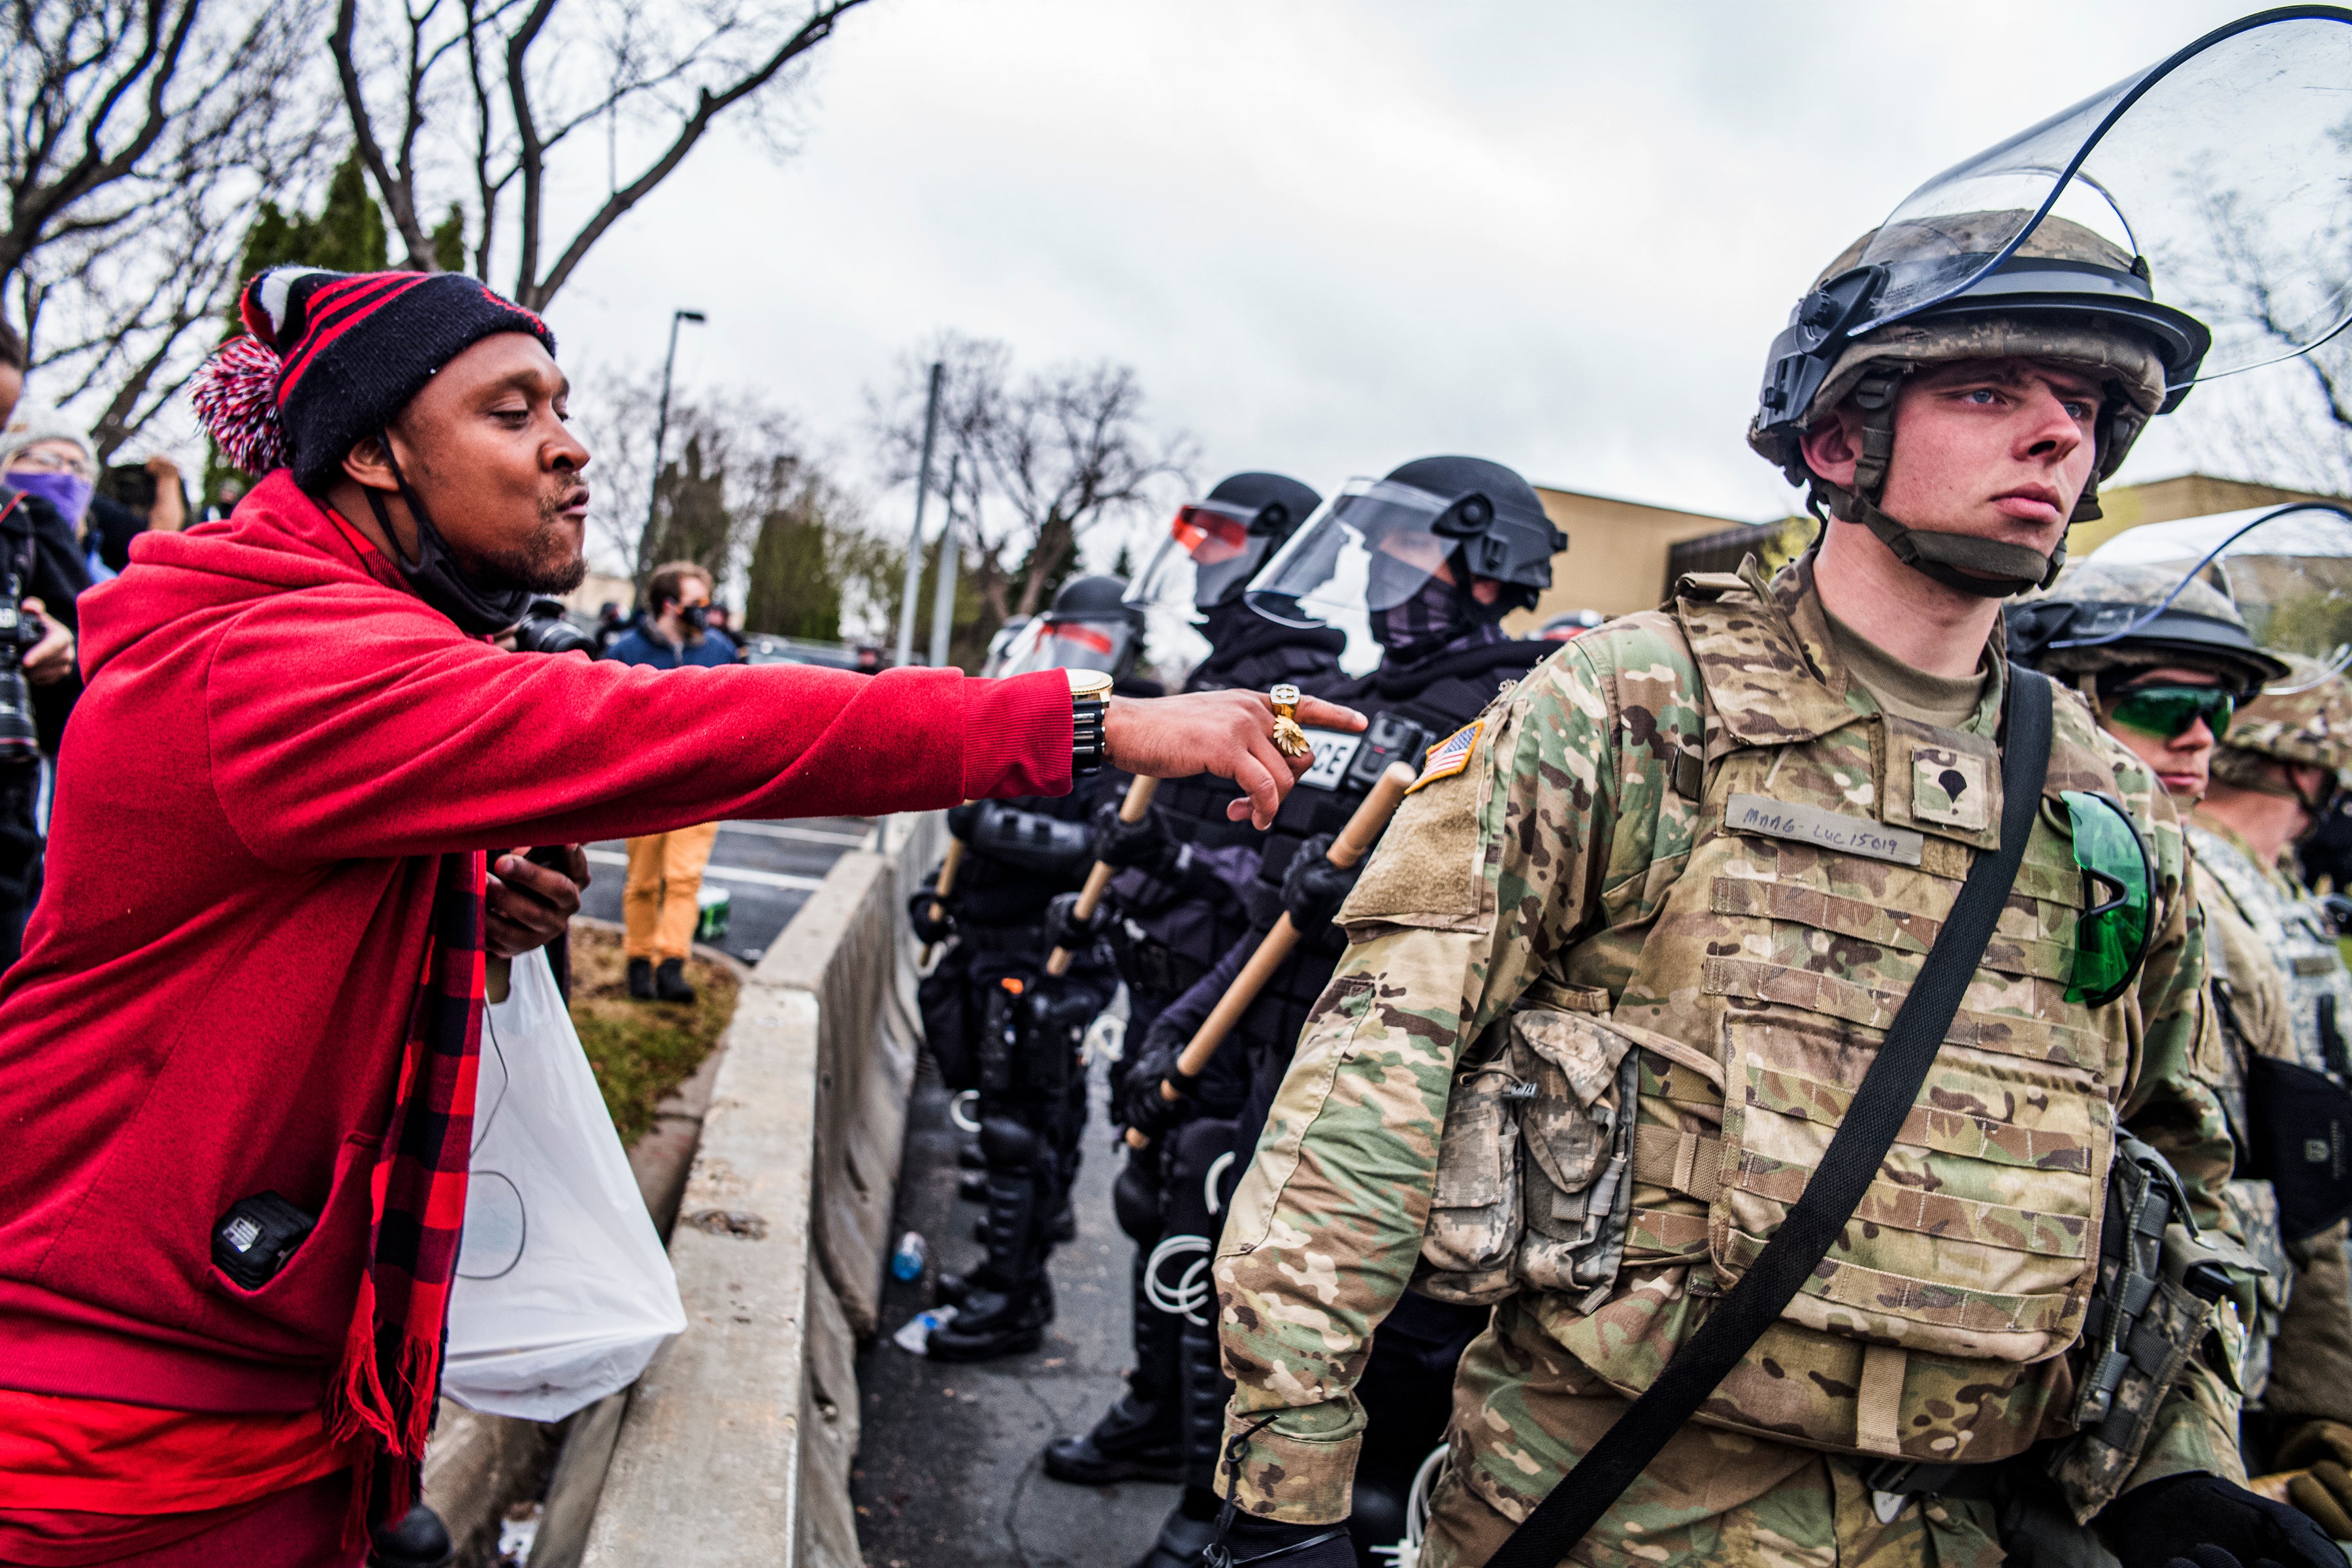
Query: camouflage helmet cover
<point x="2200" y="628"/>
<point x="2123" y="358"/>
<point x="2312" y="726"/>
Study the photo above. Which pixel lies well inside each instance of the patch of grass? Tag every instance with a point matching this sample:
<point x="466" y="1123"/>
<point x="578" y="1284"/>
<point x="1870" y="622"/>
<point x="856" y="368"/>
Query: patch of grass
<point x="641" y="1050"/>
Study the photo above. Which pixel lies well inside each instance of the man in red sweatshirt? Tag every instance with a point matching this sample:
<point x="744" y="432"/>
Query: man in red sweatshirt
<point x="237" y="1060"/>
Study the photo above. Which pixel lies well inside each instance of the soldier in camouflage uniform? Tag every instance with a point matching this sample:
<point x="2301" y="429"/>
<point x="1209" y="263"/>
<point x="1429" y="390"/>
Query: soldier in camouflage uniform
<point x="2274" y="774"/>
<point x="2184" y="680"/>
<point x="1624" y="964"/>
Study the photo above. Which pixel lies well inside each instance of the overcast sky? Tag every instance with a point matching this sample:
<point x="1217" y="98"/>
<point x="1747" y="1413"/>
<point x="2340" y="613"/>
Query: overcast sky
<point x="1331" y="237"/>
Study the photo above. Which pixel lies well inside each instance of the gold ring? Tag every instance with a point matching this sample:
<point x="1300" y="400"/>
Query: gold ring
<point x="1288" y="738"/>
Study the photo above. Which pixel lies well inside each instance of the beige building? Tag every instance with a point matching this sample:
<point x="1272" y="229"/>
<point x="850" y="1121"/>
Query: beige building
<point x="1616" y="556"/>
<point x="1622" y="554"/>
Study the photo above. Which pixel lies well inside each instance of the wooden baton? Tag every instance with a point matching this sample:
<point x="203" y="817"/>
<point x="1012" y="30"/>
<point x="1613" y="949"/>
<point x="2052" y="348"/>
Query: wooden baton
<point x="1132" y="809"/>
<point x="1354" y="843"/>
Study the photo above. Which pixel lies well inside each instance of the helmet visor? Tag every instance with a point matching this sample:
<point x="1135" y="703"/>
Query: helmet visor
<point x="2288" y="570"/>
<point x="1209" y="555"/>
<point x="2228" y="167"/>
<point x="1047" y="643"/>
<point x="1370" y="547"/>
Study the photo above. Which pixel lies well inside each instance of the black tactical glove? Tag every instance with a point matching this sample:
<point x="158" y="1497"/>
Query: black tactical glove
<point x="1147" y="1110"/>
<point x="1064" y="929"/>
<point x="1142" y="846"/>
<point x="962" y="820"/>
<point x="2200" y="1521"/>
<point x="929" y="917"/>
<point x="1313" y="888"/>
<point x="1249" y="1539"/>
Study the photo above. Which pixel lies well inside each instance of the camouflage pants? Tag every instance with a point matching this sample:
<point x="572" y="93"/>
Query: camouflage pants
<point x="1525" y="1410"/>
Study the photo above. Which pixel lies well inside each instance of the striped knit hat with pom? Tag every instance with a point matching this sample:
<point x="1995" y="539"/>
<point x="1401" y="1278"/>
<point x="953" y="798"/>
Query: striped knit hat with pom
<point x="333" y="357"/>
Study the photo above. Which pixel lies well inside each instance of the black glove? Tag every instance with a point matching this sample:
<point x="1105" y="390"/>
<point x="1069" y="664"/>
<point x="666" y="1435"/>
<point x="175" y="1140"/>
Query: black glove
<point x="1142" y="846"/>
<point x="962" y="820"/>
<point x="930" y="919"/>
<point x="1147" y="1110"/>
<point x="1313" y="888"/>
<point x="1064" y="929"/>
<point x="1249" y="1539"/>
<point x="2203" y="1522"/>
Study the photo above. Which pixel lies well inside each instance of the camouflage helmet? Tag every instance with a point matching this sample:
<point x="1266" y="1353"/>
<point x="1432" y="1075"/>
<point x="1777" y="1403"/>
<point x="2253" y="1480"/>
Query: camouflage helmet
<point x="2311" y="725"/>
<point x="2095" y="618"/>
<point x="2064" y="296"/>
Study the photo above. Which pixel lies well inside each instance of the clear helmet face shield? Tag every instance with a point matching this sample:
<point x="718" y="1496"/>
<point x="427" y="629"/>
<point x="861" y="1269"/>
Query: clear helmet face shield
<point x="1051" y="642"/>
<point x="2226" y="166"/>
<point x="1369" y="548"/>
<point x="2288" y="569"/>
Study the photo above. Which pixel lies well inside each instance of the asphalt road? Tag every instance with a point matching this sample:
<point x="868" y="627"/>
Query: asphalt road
<point x="769" y="869"/>
<point x="948" y="1472"/>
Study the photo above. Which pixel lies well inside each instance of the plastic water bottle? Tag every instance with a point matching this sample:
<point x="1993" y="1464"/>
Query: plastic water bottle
<point x="907" y="1263"/>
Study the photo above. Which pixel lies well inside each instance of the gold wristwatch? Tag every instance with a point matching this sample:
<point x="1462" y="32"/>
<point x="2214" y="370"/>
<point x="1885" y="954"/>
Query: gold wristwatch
<point x="1089" y="702"/>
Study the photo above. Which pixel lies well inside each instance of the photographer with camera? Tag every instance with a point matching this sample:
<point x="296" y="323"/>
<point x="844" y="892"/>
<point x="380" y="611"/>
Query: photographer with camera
<point x="659" y="905"/>
<point x="237" y="1065"/>
<point x="47" y="464"/>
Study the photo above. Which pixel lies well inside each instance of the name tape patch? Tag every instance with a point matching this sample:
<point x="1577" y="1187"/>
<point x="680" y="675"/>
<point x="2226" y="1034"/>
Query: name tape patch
<point x="1450" y="756"/>
<point x="1824" y="829"/>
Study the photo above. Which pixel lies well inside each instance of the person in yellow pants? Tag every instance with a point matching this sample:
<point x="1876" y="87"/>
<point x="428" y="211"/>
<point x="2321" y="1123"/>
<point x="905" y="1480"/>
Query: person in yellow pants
<point x="659" y="907"/>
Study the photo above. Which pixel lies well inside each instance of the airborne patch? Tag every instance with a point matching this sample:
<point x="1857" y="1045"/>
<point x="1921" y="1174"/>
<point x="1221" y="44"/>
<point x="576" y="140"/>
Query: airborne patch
<point x="1949" y="786"/>
<point x="1450" y="756"/>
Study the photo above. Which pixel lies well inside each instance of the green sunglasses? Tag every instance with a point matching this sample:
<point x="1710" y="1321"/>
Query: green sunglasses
<point x="2165" y="711"/>
<point x="2111" y="936"/>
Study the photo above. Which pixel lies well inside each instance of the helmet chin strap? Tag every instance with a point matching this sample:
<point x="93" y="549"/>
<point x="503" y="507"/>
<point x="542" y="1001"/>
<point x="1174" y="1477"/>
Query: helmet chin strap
<point x="436" y="575"/>
<point x="1987" y="568"/>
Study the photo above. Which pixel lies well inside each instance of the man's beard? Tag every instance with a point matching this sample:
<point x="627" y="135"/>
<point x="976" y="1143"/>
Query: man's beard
<point x="546" y="563"/>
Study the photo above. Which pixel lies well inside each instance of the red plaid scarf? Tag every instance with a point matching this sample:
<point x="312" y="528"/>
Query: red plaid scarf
<point x="391" y="1357"/>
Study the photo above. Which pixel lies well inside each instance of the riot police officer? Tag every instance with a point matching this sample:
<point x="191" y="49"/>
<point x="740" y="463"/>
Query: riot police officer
<point x="996" y="1021"/>
<point x="1176" y="903"/>
<point x="1439" y="551"/>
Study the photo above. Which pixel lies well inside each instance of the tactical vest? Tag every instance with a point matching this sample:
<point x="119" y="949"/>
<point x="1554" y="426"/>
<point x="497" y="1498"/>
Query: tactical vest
<point x="1664" y="1093"/>
<point x="2294" y="931"/>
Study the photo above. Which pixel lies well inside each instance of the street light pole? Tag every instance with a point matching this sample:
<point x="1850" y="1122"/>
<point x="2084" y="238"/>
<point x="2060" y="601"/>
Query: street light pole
<point x="943" y="588"/>
<point x="915" y="543"/>
<point x="661" y="427"/>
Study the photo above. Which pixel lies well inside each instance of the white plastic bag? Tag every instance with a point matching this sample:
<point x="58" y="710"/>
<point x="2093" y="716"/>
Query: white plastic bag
<point x="563" y="1291"/>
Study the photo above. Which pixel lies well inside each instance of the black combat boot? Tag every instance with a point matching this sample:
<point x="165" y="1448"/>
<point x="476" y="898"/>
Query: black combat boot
<point x="1139" y="1437"/>
<point x="670" y="983"/>
<point x="641" y="979"/>
<point x="992" y="1323"/>
<point x="1007" y="1302"/>
<point x="1186" y="1533"/>
<point x="419" y="1539"/>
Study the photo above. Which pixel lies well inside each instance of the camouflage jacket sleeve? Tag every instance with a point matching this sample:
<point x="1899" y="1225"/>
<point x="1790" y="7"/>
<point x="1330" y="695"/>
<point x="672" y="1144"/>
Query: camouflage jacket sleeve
<point x="2172" y="1105"/>
<point x="1482" y="877"/>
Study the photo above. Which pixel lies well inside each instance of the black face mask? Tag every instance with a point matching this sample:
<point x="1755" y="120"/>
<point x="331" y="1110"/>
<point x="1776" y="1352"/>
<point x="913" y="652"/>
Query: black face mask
<point x="436" y="575"/>
<point x="697" y="617"/>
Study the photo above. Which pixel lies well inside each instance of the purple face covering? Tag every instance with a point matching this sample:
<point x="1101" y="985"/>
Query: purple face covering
<point x="69" y="493"/>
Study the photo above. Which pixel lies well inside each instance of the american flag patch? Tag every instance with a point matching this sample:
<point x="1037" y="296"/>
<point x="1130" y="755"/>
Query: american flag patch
<point x="1451" y="755"/>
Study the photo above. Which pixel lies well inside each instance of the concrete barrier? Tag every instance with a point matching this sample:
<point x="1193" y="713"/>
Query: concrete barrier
<point x="736" y="1444"/>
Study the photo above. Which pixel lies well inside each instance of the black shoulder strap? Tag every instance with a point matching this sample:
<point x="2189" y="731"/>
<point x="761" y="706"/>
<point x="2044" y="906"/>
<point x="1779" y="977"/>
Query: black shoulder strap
<point x="1887" y="1091"/>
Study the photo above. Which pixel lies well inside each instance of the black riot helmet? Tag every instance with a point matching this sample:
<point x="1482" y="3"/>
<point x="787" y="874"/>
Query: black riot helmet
<point x="1215" y="544"/>
<point x="1378" y="541"/>
<point x="1090" y="625"/>
<point x="2185" y="224"/>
